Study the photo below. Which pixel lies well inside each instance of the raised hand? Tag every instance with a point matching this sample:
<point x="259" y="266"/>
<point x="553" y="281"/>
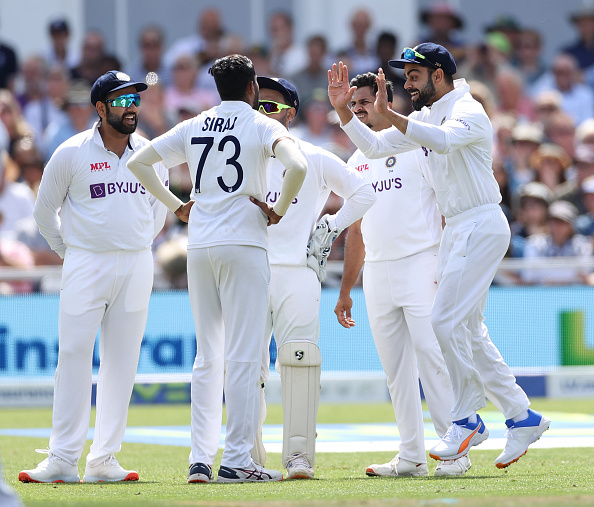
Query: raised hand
<point x="381" y="98"/>
<point x="339" y="91"/>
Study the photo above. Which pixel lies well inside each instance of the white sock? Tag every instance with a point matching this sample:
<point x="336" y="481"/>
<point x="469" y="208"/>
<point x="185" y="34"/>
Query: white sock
<point x="472" y="418"/>
<point x="521" y="417"/>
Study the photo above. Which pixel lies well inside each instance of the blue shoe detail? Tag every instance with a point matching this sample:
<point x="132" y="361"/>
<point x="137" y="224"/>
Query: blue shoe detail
<point x="472" y="426"/>
<point x="533" y="419"/>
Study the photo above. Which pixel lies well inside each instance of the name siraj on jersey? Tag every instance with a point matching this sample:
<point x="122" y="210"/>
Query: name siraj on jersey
<point x="218" y="124"/>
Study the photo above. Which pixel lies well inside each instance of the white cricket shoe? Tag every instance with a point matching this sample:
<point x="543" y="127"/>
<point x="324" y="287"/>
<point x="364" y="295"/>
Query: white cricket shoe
<point x="520" y="435"/>
<point x="458" y="440"/>
<point x="109" y="471"/>
<point x="398" y="468"/>
<point x="254" y="472"/>
<point x="299" y="468"/>
<point x="453" y="467"/>
<point x="51" y="469"/>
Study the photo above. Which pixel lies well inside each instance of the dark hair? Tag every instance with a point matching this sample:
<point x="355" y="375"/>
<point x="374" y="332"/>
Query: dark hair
<point x="387" y="37"/>
<point x="448" y="78"/>
<point x="232" y="74"/>
<point x="370" y="79"/>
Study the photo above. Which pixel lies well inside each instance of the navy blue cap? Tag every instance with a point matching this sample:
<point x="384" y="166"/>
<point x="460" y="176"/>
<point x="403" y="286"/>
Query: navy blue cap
<point x="112" y="81"/>
<point x="436" y="57"/>
<point x="59" y="25"/>
<point x="284" y="87"/>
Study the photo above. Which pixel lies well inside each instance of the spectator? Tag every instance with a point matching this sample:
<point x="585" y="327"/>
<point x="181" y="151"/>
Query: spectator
<point x="79" y="111"/>
<point x="561" y="241"/>
<point x="363" y="58"/>
<point x="91" y="64"/>
<point x="386" y="46"/>
<point x="14" y="254"/>
<point x="151" y="42"/>
<point x="525" y="139"/>
<point x="546" y="104"/>
<point x="286" y="56"/>
<point x="583" y="48"/>
<point x="503" y="127"/>
<point x="484" y="62"/>
<point x="531" y="211"/>
<point x="261" y="59"/>
<point x="16" y="202"/>
<point x="585" y="132"/>
<point x="183" y="87"/>
<point x="564" y="77"/>
<point x="482" y="94"/>
<point x="511" y="97"/>
<point x="9" y="66"/>
<point x="443" y="24"/>
<point x="560" y="129"/>
<point x="154" y="121"/>
<point x="203" y="44"/>
<point x="584" y="224"/>
<point x="510" y="28"/>
<point x="584" y="164"/>
<point x="13" y="119"/>
<point x="59" y="53"/>
<point x="315" y="74"/>
<point x="315" y="128"/>
<point x="45" y="96"/>
<point x="529" y="57"/>
<point x="550" y="162"/>
<point x="32" y="84"/>
<point x="29" y="161"/>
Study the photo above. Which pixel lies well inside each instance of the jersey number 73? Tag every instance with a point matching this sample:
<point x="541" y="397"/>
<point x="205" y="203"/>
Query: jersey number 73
<point x="208" y="143"/>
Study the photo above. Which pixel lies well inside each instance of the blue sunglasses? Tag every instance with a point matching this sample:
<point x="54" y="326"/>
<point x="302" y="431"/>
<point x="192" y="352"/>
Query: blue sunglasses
<point x="124" y="100"/>
<point x="411" y="54"/>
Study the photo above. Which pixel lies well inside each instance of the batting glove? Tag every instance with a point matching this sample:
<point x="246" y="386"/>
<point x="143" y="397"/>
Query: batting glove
<point x="319" y="246"/>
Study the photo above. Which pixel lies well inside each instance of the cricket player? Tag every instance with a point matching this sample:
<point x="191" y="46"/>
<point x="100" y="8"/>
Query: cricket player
<point x="93" y="212"/>
<point x="227" y="149"/>
<point x="456" y="137"/>
<point x="293" y="313"/>
<point x="399" y="285"/>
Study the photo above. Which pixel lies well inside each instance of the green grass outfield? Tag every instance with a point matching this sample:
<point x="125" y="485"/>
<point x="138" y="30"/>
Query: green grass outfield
<point x="544" y="477"/>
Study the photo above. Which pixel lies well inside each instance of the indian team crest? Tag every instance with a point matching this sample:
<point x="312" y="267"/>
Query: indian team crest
<point x="390" y="162"/>
<point x="122" y="76"/>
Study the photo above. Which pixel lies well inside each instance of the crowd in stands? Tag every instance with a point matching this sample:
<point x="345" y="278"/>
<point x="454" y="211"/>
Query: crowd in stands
<point x="542" y="113"/>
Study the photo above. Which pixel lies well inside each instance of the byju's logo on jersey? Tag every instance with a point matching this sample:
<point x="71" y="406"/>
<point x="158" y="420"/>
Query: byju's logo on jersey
<point x="100" y="166"/>
<point x="97" y="190"/>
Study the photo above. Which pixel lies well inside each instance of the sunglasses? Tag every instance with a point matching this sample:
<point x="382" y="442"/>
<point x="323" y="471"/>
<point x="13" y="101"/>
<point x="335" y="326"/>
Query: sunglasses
<point x="124" y="100"/>
<point x="411" y="54"/>
<point x="271" y="107"/>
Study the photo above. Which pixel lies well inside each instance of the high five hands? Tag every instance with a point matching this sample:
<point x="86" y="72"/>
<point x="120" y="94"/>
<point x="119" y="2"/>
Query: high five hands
<point x="341" y="93"/>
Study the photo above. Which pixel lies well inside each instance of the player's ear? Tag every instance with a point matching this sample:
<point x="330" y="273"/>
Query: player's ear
<point x="101" y="110"/>
<point x="291" y="113"/>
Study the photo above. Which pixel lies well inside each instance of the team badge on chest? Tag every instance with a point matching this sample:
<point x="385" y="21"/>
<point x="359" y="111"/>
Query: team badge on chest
<point x="390" y="162"/>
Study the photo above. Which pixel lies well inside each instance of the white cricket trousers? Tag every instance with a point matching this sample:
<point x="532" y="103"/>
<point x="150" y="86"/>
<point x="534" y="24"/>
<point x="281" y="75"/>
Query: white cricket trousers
<point x="472" y="246"/>
<point x="110" y="291"/>
<point x="228" y="289"/>
<point x="399" y="295"/>
<point x="294" y="309"/>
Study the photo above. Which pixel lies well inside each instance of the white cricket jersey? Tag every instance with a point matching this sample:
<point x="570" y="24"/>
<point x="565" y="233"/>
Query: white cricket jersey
<point x="456" y="136"/>
<point x="404" y="219"/>
<point x="287" y="240"/>
<point x="102" y="205"/>
<point x="227" y="149"/>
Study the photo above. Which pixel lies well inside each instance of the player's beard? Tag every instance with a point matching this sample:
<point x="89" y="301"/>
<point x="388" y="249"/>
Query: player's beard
<point x="117" y="122"/>
<point x="256" y="104"/>
<point x="426" y="95"/>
